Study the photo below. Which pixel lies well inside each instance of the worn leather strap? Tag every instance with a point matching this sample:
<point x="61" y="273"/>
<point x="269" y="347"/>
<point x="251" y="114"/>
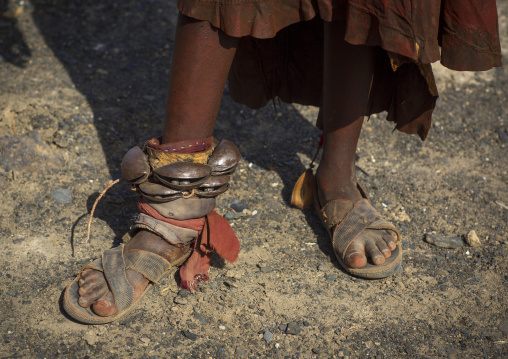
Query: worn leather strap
<point x="113" y="264"/>
<point x="150" y="265"/>
<point x="171" y="233"/>
<point x="184" y="208"/>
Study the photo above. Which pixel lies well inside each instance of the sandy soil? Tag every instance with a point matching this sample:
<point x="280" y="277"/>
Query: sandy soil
<point x="78" y="88"/>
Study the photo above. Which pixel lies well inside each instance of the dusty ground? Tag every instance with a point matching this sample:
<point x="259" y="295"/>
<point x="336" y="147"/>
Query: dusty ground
<point x="78" y="88"/>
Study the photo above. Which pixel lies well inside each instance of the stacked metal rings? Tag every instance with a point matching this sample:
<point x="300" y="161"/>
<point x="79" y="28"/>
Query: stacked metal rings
<point x="182" y="180"/>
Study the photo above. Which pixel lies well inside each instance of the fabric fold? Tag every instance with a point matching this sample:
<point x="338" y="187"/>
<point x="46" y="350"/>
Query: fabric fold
<point x="214" y="233"/>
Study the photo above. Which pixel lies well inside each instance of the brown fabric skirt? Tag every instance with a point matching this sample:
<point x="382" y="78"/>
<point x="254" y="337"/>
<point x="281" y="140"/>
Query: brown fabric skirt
<point x="281" y="50"/>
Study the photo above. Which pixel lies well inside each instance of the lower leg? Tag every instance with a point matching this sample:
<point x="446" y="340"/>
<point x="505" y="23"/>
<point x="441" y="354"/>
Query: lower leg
<point x="348" y="71"/>
<point x="201" y="61"/>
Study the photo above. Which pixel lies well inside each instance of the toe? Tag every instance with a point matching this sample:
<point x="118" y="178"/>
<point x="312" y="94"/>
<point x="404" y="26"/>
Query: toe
<point x="383" y="248"/>
<point x="354" y="256"/>
<point x="92" y="287"/>
<point x="372" y="251"/>
<point x="87" y="298"/>
<point x="390" y="238"/>
<point x="105" y="306"/>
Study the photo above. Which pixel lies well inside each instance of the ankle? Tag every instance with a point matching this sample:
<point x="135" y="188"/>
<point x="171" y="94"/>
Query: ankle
<point x="339" y="186"/>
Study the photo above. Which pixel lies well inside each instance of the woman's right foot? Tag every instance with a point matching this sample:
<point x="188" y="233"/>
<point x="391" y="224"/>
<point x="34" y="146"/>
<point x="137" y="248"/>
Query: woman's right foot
<point x="93" y="287"/>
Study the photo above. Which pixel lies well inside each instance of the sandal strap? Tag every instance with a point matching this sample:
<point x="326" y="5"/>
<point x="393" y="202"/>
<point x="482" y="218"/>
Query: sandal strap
<point x="95" y="265"/>
<point x="359" y="218"/>
<point x="171" y="233"/>
<point x="334" y="212"/>
<point x="382" y="224"/>
<point x="113" y="263"/>
<point x="150" y="265"/>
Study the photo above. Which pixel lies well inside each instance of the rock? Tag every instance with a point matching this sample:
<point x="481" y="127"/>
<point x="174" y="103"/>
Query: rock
<point x="189" y="335"/>
<point x="325" y="329"/>
<point x="324" y="267"/>
<point x="184" y="293"/>
<point x="293" y="328"/>
<point x="90" y="338"/>
<point x="233" y="215"/>
<point x="332" y="277"/>
<point x="444" y="242"/>
<point x="472" y="239"/>
<point x="200" y="318"/>
<point x="265" y="269"/>
<point x="267" y="336"/>
<point x="62" y="139"/>
<point x="231" y="283"/>
<point x="319" y="350"/>
<point x="180" y="300"/>
<point x="503" y="327"/>
<point x="62" y="195"/>
<point x="28" y="155"/>
<point x="283" y="327"/>
<point x="238" y="206"/>
<point x="241" y="352"/>
<point x="343" y="353"/>
<point x="45" y="125"/>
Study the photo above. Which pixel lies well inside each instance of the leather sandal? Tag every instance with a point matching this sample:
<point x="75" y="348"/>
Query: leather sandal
<point x="114" y="263"/>
<point x="345" y="220"/>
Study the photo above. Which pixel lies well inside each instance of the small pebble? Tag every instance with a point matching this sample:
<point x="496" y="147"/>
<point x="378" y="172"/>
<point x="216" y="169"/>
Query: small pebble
<point x="324" y="267"/>
<point x="293" y="328"/>
<point x="189" y="335"/>
<point x="503" y="327"/>
<point x="180" y="300"/>
<point x="233" y="215"/>
<point x="444" y="242"/>
<point x="238" y="206"/>
<point x="267" y="336"/>
<point x="62" y="195"/>
<point x="332" y="277"/>
<point x="318" y="350"/>
<point x="472" y="239"/>
<point x="200" y="318"/>
<point x="265" y="269"/>
<point x="343" y="353"/>
<point x="184" y="293"/>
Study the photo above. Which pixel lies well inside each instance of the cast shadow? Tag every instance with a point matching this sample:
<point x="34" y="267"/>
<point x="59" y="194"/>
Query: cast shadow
<point x="13" y="47"/>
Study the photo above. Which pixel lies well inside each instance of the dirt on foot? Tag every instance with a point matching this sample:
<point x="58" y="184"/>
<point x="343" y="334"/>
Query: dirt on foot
<point x="83" y="82"/>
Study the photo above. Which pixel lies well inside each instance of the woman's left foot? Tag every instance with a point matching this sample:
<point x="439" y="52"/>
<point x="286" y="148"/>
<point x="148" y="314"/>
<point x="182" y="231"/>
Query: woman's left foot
<point x="372" y="246"/>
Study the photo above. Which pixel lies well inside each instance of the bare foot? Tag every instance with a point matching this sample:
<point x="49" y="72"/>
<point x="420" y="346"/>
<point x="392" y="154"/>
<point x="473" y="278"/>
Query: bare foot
<point x="94" y="290"/>
<point x="370" y="245"/>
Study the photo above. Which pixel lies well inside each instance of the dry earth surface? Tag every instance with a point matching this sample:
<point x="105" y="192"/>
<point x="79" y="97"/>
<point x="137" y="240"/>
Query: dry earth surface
<point x="82" y="82"/>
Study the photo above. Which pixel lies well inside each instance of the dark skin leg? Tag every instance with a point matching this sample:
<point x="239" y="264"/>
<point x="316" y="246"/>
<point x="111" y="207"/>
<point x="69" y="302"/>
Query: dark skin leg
<point x="348" y="71"/>
<point x="201" y="60"/>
